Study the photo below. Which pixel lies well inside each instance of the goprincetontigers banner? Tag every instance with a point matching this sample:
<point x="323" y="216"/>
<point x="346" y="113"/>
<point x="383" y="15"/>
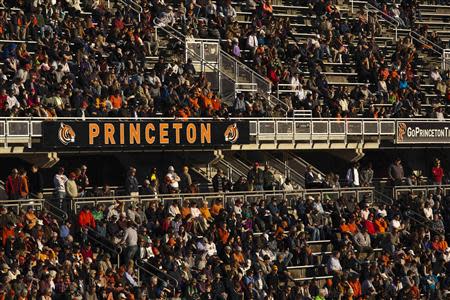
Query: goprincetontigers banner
<point x="413" y="132"/>
<point x="82" y="134"/>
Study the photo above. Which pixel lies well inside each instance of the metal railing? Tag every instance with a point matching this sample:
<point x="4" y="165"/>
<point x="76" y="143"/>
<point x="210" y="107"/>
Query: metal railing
<point x="358" y="194"/>
<point x="400" y="191"/>
<point x="106" y="244"/>
<point x="228" y="66"/>
<point x="134" y="6"/>
<point x="150" y="269"/>
<point x="385" y="17"/>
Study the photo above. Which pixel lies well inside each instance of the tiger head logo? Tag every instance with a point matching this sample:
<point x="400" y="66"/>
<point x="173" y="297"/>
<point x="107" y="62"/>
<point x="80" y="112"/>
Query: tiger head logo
<point x="231" y="133"/>
<point x="401" y="131"/>
<point x="66" y="134"/>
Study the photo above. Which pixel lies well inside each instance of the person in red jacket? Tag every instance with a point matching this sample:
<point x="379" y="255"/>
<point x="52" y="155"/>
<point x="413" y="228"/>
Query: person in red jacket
<point x="86" y="218"/>
<point x="12" y="185"/>
<point x="438" y="172"/>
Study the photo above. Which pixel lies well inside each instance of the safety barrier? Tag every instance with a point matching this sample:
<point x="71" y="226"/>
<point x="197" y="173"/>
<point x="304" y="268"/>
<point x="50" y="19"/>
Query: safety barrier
<point x="401" y="191"/>
<point x="358" y="194"/>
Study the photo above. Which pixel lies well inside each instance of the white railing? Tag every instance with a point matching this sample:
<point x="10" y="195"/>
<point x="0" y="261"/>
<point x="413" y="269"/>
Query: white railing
<point x="357" y="194"/>
<point x="416" y="190"/>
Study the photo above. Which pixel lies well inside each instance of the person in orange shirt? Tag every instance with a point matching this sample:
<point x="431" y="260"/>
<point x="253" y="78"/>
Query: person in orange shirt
<point x="380" y="224"/>
<point x="86" y="219"/>
<point x="216" y="208"/>
<point x="224" y="234"/>
<point x="23" y="186"/>
<point x="439" y="243"/>
<point x="206" y="100"/>
<point x="185" y="210"/>
<point x="356" y="287"/>
<point x="116" y="100"/>
<point x="8" y="231"/>
<point x="238" y="256"/>
<point x="216" y="103"/>
<point x="205" y="212"/>
<point x="31" y="218"/>
<point x="279" y="234"/>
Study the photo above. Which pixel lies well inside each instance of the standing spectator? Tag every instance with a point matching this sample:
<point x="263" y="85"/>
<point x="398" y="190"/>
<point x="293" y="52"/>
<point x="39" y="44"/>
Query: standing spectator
<point x="353" y="175"/>
<point x="255" y="177"/>
<point x="12" y="186"/>
<point x="218" y="181"/>
<point x="59" y="182"/>
<point x="36" y="182"/>
<point x="185" y="180"/>
<point x="173" y="180"/>
<point x="131" y="241"/>
<point x="367" y="176"/>
<point x="23" y="188"/>
<point x="269" y="180"/>
<point x="396" y="173"/>
<point x="438" y="172"/>
<point x="71" y="191"/>
<point x="131" y="184"/>
<point x="82" y="181"/>
<point x="309" y="178"/>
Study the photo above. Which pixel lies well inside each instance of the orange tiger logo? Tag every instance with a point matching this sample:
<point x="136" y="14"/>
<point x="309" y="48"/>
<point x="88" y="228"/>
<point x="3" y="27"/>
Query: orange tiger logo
<point x="66" y="134"/>
<point x="231" y="134"/>
<point x="401" y="131"/>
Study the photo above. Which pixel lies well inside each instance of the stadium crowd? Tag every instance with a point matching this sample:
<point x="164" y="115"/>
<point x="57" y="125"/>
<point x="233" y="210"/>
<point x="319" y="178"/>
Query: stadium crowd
<point x="216" y="250"/>
<point x="96" y="64"/>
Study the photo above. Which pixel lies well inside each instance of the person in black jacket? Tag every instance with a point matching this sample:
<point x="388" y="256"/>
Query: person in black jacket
<point x="131" y="183"/>
<point x="36" y="182"/>
<point x="218" y="181"/>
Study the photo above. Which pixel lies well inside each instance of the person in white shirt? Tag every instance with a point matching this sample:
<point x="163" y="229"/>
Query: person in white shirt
<point x="174" y="178"/>
<point x="252" y="42"/>
<point x="435" y="75"/>
<point x="428" y="211"/>
<point x="353" y="175"/>
<point x="174" y="209"/>
<point x="12" y="102"/>
<point x="59" y="182"/>
<point x="295" y="82"/>
<point x="334" y="265"/>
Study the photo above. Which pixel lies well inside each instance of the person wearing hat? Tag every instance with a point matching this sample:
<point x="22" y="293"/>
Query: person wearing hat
<point x="173" y="180"/>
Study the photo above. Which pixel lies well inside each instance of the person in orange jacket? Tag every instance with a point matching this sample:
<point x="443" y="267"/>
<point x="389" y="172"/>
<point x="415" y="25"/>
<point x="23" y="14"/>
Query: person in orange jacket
<point x="86" y="218"/>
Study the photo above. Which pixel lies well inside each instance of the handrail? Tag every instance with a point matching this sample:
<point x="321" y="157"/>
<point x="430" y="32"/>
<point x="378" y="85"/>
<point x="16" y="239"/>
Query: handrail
<point x="137" y="8"/>
<point x="383" y="198"/>
<point x="410" y="189"/>
<point x="267" y="94"/>
<point x="171" y="278"/>
<point x="420" y="219"/>
<point x="386" y="17"/>
<point x="115" y="249"/>
<point x="421" y="39"/>
<point x="53" y="209"/>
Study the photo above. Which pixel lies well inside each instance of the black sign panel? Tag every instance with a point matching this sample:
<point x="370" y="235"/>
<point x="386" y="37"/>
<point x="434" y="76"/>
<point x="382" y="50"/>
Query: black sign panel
<point x="423" y="132"/>
<point x="85" y="134"/>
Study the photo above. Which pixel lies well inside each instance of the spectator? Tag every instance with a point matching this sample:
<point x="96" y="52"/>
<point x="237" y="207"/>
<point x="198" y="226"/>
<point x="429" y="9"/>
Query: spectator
<point x="367" y="176"/>
<point x="268" y="178"/>
<point x="185" y="180"/>
<point x="71" y="191"/>
<point x="12" y="186"/>
<point x="131" y="183"/>
<point x="219" y="181"/>
<point x="173" y="180"/>
<point x="86" y="219"/>
<point x="353" y="175"/>
<point x="82" y="181"/>
<point x="36" y="183"/>
<point x="255" y="178"/>
<point x="396" y="173"/>
<point x="59" y="182"/>
<point x="438" y="172"/>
